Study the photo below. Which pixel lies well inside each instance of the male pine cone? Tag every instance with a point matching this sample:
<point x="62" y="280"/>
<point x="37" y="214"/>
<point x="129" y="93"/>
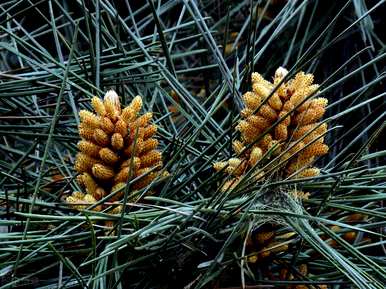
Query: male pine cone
<point x="294" y="142"/>
<point x="117" y="145"/>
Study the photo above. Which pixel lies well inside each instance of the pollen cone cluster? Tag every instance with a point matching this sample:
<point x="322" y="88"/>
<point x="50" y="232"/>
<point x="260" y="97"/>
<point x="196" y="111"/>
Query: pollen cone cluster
<point x="117" y="145"/>
<point x="266" y="243"/>
<point x="294" y="142"/>
<point x="302" y="271"/>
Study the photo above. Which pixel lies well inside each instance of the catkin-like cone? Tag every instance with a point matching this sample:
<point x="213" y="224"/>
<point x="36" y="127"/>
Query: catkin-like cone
<point x="298" y="136"/>
<point x="106" y="162"/>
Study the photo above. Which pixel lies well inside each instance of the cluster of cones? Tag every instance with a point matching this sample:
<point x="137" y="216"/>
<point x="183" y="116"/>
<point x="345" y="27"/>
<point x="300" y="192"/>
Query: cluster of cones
<point x="117" y="146"/>
<point x="297" y="137"/>
<point x="265" y="245"/>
